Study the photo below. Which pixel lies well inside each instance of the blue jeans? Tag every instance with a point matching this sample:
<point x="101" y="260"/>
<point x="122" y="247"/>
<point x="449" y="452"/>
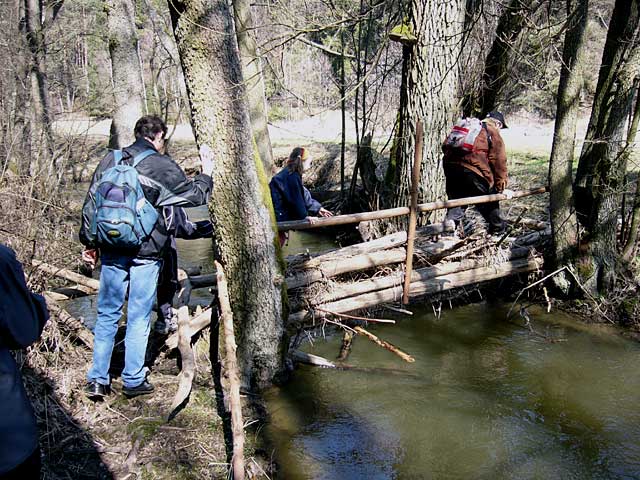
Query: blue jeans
<point x="118" y="273"/>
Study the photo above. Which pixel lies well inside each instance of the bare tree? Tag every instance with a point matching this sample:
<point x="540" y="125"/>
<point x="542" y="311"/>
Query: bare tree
<point x="495" y="76"/>
<point x="563" y="221"/>
<point x="601" y="167"/>
<point x="126" y="74"/>
<point x="240" y="207"/>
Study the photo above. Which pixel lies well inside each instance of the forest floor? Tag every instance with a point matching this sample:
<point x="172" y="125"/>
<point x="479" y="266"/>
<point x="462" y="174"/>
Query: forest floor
<point x="127" y="439"/>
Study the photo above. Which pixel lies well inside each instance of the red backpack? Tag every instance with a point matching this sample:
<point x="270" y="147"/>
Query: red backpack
<point x="463" y="135"/>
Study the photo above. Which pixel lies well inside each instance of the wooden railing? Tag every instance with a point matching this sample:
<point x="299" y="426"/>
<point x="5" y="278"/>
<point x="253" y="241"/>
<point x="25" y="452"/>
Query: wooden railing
<point x="400" y="211"/>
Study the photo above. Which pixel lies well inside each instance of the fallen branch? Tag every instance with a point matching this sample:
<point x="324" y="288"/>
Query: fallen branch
<point x="74" y="277"/>
<point x="355" y="317"/>
<point x="188" y="371"/>
<point x="237" y="424"/>
<point x="392" y="348"/>
<point x="69" y="323"/>
<point x="310" y="359"/>
<point x="197" y="323"/>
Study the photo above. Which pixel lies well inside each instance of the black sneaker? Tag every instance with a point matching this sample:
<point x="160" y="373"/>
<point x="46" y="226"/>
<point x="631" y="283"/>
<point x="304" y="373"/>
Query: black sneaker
<point x="143" y="389"/>
<point x="96" y="391"/>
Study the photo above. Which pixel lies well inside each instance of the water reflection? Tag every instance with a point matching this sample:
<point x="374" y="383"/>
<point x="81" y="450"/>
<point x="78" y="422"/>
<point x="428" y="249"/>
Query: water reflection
<point x="489" y="400"/>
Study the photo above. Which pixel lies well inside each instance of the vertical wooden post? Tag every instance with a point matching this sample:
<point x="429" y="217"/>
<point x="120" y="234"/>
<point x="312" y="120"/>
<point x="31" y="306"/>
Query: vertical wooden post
<point x="413" y="211"/>
<point x="237" y="424"/>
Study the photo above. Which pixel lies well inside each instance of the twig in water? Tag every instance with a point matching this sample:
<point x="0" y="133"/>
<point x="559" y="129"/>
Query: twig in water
<point x="354" y="317"/>
<point x="533" y="285"/>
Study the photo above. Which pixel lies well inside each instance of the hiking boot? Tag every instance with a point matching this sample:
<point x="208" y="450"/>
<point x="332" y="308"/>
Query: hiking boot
<point x="96" y="391"/>
<point x="143" y="389"/>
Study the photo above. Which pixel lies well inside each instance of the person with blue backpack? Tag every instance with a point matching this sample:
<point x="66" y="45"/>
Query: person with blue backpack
<point x="121" y="219"/>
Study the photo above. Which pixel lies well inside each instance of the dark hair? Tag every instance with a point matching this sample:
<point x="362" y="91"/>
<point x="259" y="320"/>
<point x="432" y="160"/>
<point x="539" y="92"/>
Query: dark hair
<point x="149" y="126"/>
<point x="294" y="162"/>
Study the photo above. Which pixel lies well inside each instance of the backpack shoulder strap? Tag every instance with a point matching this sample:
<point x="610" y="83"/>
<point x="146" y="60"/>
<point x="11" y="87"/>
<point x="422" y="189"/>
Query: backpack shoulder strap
<point x="141" y="156"/>
<point x="117" y="157"/>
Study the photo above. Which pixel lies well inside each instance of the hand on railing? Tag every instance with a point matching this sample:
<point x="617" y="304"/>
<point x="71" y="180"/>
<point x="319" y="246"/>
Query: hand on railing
<point x="323" y="212"/>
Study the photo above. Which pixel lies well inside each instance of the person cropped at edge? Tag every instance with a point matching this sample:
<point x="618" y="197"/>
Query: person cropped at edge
<point x="291" y="200"/>
<point x="480" y="172"/>
<point x="164" y="183"/>
<point x="178" y="226"/>
<point x="22" y="317"/>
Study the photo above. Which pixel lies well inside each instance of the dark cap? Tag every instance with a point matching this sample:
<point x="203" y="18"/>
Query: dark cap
<point x="498" y="116"/>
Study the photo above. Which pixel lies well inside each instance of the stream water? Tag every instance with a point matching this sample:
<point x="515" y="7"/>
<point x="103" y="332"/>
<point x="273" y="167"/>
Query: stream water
<point x="485" y="398"/>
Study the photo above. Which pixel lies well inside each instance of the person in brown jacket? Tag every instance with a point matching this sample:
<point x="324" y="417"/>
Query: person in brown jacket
<point x="482" y="171"/>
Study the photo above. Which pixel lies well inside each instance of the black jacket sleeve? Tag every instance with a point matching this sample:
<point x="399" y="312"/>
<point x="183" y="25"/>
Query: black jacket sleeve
<point x="23" y="314"/>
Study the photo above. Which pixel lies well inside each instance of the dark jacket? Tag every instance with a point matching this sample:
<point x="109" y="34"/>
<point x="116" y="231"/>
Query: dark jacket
<point x="22" y="318"/>
<point x="291" y="200"/>
<point x="488" y="159"/>
<point x="164" y="183"/>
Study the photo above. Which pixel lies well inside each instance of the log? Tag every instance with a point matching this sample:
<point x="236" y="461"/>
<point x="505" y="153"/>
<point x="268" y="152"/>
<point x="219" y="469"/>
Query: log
<point x="74" y="277"/>
<point x="70" y="324"/>
<point x="310" y="359"/>
<point x="304" y="261"/>
<point x="426" y="286"/>
<point x="198" y="322"/>
<point x="336" y="267"/>
<point x="396" y="212"/>
<point x="231" y="363"/>
<point x="188" y="371"/>
<point x="358" y="288"/>
<point x="200" y="281"/>
<point x="392" y="348"/>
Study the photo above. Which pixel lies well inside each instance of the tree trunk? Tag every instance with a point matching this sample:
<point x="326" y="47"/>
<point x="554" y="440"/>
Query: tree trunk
<point x="254" y="82"/>
<point x="431" y="82"/>
<point x="496" y="65"/>
<point x="126" y="71"/>
<point x="40" y="96"/>
<point x="563" y="220"/>
<point x="635" y="215"/>
<point x="241" y="203"/>
<point x="599" y="175"/>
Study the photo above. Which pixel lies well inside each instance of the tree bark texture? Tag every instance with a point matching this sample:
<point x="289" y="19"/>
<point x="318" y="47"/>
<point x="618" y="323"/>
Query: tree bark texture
<point x="126" y="71"/>
<point x="630" y="244"/>
<point x="431" y="82"/>
<point x="254" y="82"/>
<point x="563" y="220"/>
<point x="240" y="207"/>
<point x="42" y="134"/>
<point x="600" y="170"/>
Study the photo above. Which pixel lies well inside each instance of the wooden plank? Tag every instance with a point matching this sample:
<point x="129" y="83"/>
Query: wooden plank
<point x="396" y="212"/>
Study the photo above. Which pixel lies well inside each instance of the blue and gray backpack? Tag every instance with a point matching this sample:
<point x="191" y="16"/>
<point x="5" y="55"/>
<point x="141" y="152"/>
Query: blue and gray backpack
<point x="123" y="217"/>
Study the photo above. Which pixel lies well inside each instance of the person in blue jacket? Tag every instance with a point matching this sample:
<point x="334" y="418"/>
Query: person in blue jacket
<point x="22" y="318"/>
<point x="291" y="200"/>
<point x="178" y="226"/>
